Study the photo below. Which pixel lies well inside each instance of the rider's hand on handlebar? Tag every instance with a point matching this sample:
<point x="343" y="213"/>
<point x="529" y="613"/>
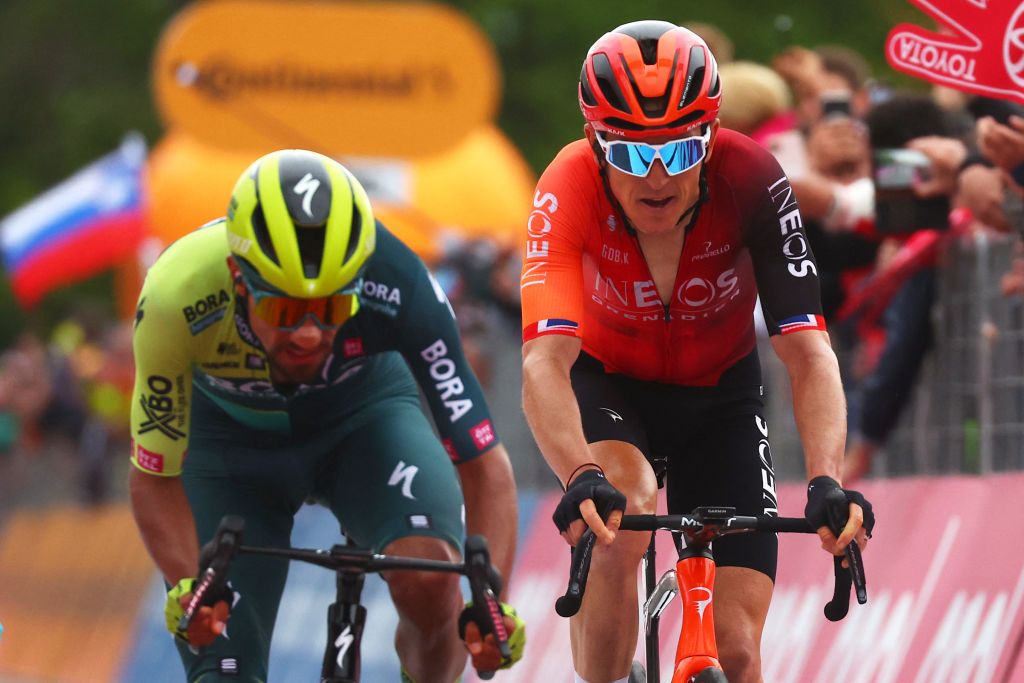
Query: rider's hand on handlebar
<point x="589" y="500"/>
<point x="484" y="651"/>
<point x="859" y="524"/>
<point x="208" y="622"/>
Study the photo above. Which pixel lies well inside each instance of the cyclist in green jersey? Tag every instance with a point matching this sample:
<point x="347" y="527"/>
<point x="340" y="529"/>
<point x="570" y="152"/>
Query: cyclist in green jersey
<point x="280" y="349"/>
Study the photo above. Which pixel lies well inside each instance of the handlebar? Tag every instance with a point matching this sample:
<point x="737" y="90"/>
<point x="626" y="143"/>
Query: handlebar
<point x="704" y="525"/>
<point x="485" y="581"/>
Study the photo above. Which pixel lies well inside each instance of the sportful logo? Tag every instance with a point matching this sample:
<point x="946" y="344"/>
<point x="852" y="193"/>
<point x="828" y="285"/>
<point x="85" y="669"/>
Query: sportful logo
<point x="308" y="186"/>
<point x="611" y="413"/>
<point x="404" y="475"/>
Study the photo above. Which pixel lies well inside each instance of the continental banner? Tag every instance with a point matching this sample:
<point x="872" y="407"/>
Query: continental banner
<point x="372" y="79"/>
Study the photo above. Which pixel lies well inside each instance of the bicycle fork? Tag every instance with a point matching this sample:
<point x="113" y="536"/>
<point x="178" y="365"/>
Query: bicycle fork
<point x="345" y="621"/>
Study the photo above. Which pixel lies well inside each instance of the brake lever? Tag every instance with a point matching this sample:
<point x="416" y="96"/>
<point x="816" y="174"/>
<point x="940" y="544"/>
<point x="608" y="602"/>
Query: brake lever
<point x="579" y="569"/>
<point x="213" y="565"/>
<point x="484" y="584"/>
<point x="853" y="574"/>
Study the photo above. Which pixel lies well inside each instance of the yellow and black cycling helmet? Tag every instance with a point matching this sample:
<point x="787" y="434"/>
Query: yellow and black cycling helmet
<point x="303" y="222"/>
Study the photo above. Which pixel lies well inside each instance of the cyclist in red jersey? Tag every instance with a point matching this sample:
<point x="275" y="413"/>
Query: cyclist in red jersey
<point x="648" y="246"/>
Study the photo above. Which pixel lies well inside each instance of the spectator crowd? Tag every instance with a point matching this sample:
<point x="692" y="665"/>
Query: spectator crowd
<point x="886" y="179"/>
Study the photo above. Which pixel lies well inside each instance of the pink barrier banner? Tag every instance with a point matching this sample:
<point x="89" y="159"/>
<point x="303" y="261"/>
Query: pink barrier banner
<point x="945" y="576"/>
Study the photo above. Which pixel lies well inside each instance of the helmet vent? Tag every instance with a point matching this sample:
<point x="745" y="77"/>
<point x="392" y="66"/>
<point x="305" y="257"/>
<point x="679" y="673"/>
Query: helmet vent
<point x="356" y="229"/>
<point x="259" y="228"/>
<point x="606" y="81"/>
<point x="648" y="50"/>
<point x="586" y="92"/>
<point x="694" y="77"/>
<point x="311" y="250"/>
<point x="716" y="85"/>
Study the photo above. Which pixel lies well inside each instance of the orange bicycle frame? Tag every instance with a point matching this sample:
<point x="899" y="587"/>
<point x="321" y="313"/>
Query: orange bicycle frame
<point x="697" y="649"/>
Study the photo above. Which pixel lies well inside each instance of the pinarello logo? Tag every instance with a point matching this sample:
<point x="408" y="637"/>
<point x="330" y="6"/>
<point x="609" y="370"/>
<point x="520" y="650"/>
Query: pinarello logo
<point x="1013" y="47"/>
<point x="449" y="446"/>
<point x="353" y="347"/>
<point x="148" y="460"/>
<point x="483" y="434"/>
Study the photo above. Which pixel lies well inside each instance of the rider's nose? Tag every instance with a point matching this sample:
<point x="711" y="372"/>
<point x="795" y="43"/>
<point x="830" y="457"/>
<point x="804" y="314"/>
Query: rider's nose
<point x="308" y="335"/>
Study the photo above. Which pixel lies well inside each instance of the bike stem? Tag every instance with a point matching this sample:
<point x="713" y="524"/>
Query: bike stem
<point x="345" y="621"/>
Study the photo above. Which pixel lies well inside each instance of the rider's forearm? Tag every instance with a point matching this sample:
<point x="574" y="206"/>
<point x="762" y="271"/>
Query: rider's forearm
<point x="819" y="407"/>
<point x="489" y="490"/>
<point x="165" y="523"/>
<point x="554" y="415"/>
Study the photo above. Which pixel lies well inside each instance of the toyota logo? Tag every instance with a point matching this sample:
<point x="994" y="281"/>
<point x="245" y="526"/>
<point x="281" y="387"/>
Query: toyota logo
<point x="1013" y="47"/>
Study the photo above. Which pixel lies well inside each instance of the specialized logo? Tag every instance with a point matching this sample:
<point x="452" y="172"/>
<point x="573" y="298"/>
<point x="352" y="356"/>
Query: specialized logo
<point x="343" y="642"/>
<point x="612" y="414"/>
<point x="160" y="408"/>
<point x="794" y="245"/>
<point x="701" y="604"/>
<point x="206" y="311"/>
<point x="404" y="474"/>
<point x="308" y="187"/>
<point x="448" y="385"/>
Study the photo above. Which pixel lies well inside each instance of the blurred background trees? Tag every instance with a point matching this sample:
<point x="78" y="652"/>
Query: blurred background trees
<point x="75" y="76"/>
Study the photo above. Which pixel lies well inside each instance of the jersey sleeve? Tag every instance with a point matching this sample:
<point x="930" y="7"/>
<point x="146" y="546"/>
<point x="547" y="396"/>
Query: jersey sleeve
<point x="163" y="381"/>
<point x="551" y="284"/>
<point x="784" y="266"/>
<point x="428" y="339"/>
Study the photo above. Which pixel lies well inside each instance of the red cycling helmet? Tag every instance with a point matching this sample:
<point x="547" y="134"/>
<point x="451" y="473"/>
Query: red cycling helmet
<point x="649" y="78"/>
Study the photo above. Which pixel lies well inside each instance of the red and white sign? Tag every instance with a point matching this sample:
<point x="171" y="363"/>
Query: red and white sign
<point x="982" y="50"/>
<point x="483" y="434"/>
<point x="945" y="590"/>
<point x="148" y="460"/>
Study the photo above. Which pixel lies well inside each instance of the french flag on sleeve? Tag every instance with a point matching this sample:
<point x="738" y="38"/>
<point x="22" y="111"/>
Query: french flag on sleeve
<point x="87" y="223"/>
<point x="551" y="326"/>
<point x="802" y="322"/>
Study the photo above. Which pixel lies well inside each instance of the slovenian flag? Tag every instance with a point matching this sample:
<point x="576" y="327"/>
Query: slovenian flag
<point x="802" y="322"/>
<point x="87" y="223"/>
<point x="550" y="326"/>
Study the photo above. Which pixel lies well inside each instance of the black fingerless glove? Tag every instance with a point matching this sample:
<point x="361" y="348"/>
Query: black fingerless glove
<point x="589" y="484"/>
<point x="818" y="501"/>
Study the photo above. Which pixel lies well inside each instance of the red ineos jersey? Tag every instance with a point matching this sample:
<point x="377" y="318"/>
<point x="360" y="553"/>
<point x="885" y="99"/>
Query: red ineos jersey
<point x="584" y="274"/>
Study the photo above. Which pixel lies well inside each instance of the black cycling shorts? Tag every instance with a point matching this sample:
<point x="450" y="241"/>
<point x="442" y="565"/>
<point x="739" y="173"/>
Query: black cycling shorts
<point x="714" y="439"/>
